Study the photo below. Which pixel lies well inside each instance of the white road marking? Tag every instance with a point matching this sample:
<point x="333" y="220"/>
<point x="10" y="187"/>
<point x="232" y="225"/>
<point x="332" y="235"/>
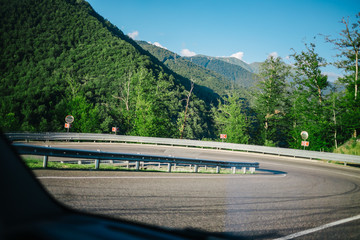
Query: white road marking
<point x="312" y="230"/>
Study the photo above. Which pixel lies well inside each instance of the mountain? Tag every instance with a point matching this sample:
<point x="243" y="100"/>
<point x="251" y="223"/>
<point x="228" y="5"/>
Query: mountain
<point x="238" y="62"/>
<point x="59" y="57"/>
<point x="236" y="73"/>
<point x="184" y="67"/>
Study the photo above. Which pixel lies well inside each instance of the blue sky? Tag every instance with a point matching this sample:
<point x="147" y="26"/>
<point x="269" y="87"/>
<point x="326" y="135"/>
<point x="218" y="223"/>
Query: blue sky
<point x="247" y="29"/>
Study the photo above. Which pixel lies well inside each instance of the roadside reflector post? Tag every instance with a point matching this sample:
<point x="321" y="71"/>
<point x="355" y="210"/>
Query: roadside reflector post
<point x="196" y="168"/>
<point x="97" y="162"/>
<point x="169" y="167"/>
<point x="217" y="169"/>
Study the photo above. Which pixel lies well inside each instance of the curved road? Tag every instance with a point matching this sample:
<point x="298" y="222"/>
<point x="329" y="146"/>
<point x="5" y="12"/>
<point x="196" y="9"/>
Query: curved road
<point x="288" y="198"/>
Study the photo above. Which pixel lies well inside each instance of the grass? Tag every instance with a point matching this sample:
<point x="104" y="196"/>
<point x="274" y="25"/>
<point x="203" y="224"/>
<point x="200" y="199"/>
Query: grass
<point x="34" y="163"/>
<point x="351" y="147"/>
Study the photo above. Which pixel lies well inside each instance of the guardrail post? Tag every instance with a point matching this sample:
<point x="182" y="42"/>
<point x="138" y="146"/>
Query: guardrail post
<point x="45" y="162"/>
<point x="97" y="162"/>
<point x="137" y="165"/>
<point x="233" y="170"/>
<point x="169" y="167"/>
<point x="217" y="169"/>
<point x="46" y="158"/>
<point x="196" y="168"/>
<point x="243" y="170"/>
<point x="127" y="164"/>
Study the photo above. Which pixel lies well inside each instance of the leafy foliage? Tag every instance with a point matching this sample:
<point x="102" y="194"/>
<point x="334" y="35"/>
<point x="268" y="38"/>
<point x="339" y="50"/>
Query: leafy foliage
<point x="272" y="101"/>
<point x="231" y="119"/>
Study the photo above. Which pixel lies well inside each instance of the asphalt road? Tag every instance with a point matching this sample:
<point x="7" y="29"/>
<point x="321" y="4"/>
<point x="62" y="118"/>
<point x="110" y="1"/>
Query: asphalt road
<point x="288" y="196"/>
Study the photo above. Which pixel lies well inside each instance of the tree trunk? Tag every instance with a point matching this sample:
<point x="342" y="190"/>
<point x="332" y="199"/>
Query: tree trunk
<point x="186" y="109"/>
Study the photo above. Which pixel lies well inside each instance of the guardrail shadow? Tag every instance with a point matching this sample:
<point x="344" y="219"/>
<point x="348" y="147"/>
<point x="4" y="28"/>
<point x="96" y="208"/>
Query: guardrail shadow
<point x="271" y="172"/>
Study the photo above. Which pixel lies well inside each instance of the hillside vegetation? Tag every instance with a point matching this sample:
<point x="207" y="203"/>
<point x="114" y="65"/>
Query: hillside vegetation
<point x="59" y="57"/>
<point x="350" y="147"/>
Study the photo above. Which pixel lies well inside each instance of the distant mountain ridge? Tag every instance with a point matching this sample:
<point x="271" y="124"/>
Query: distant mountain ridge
<point x="184" y="67"/>
<point x="237" y="71"/>
<point x="218" y="73"/>
<point x="238" y="62"/>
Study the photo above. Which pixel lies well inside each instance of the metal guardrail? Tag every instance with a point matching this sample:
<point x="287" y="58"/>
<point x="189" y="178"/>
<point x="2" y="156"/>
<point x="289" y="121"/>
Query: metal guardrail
<point x="345" y="158"/>
<point x="25" y="149"/>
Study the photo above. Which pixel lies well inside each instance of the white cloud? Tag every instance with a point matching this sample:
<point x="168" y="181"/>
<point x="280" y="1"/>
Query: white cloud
<point x="133" y="35"/>
<point x="332" y="77"/>
<point x="187" y="53"/>
<point x="159" y="45"/>
<point x="238" y="55"/>
<point x="274" y="55"/>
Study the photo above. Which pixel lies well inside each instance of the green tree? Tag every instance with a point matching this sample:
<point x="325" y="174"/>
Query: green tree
<point x="85" y="114"/>
<point x="272" y="101"/>
<point x="311" y="111"/>
<point x="230" y="119"/>
<point x="349" y="46"/>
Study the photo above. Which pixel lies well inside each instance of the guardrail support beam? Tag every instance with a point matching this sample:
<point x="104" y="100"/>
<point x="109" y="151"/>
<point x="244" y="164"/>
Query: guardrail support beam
<point x="233" y="170"/>
<point x="137" y="165"/>
<point x="217" y="169"/>
<point x="196" y="168"/>
<point x="243" y="170"/>
<point x="252" y="170"/>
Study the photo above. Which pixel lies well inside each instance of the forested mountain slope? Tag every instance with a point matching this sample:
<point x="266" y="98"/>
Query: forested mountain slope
<point x="236" y="61"/>
<point x="59" y="57"/>
<point x="236" y="73"/>
<point x="186" y="68"/>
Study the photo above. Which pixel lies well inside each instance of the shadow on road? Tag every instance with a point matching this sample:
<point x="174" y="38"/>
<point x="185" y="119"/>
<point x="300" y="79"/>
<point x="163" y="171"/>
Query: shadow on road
<point x="270" y="172"/>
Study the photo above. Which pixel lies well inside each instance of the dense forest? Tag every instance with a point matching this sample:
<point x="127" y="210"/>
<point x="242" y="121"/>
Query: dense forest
<point x="59" y="57"/>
